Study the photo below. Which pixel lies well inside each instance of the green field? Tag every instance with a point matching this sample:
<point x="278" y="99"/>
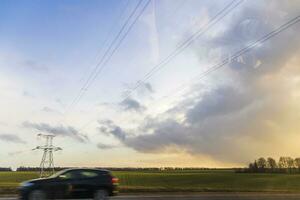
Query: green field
<point x="182" y="181"/>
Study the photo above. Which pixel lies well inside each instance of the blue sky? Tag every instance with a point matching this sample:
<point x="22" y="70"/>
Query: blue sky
<point x="49" y="48"/>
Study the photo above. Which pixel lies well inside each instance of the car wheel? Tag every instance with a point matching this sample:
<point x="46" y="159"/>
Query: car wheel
<point x="101" y="195"/>
<point x="37" y="195"/>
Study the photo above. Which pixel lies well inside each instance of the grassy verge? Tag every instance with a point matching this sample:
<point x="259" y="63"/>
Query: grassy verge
<point x="188" y="181"/>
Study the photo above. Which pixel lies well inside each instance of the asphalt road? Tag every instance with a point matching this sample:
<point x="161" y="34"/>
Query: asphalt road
<point x="215" y="197"/>
<point x="225" y="196"/>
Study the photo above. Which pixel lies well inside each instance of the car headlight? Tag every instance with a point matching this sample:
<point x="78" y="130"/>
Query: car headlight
<point x="26" y="184"/>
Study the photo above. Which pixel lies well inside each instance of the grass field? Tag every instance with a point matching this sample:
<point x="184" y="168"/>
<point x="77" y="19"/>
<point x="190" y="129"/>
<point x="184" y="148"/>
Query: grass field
<point x="182" y="181"/>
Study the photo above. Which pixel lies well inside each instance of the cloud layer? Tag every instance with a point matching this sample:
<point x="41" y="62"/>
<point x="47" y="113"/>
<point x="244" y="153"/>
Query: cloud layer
<point x="130" y="104"/>
<point x="59" y="130"/>
<point x="105" y="146"/>
<point x="251" y="113"/>
<point x="11" y="138"/>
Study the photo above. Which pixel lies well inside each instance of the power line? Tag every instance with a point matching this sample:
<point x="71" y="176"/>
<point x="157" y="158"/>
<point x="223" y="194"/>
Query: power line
<point x="76" y="99"/>
<point x="105" y="53"/>
<point x="187" y="42"/>
<point x="242" y="51"/>
<point x="108" y="35"/>
<point x="111" y="50"/>
<point x="104" y="43"/>
<point x="115" y="49"/>
<point x="220" y="15"/>
<point x="228" y="60"/>
<point x="223" y="63"/>
<point x="112" y="43"/>
<point x="120" y="41"/>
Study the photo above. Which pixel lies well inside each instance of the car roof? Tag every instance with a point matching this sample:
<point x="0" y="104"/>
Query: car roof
<point x="86" y="169"/>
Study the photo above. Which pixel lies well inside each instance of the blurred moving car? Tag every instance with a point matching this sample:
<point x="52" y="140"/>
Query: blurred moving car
<point x="71" y="183"/>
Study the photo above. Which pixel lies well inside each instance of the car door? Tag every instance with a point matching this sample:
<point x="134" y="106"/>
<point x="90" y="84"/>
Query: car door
<point x="63" y="185"/>
<point x="57" y="188"/>
<point x="77" y="185"/>
<point x="84" y="185"/>
<point x="88" y="182"/>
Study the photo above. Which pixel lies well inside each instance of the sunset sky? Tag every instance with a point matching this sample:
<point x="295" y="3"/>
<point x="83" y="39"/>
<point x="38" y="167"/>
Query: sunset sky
<point x="180" y="115"/>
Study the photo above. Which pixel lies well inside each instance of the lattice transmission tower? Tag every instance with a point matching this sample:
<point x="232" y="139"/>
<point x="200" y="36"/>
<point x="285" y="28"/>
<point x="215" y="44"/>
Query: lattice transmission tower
<point x="47" y="162"/>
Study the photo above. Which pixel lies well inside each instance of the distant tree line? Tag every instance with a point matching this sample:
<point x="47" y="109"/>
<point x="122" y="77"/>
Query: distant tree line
<point x="270" y="165"/>
<point x="33" y="169"/>
<point x="127" y="168"/>
<point x="5" y="169"/>
<point x="161" y="168"/>
<point x="62" y="168"/>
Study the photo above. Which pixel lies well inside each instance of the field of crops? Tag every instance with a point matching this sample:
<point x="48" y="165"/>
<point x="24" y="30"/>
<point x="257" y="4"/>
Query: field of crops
<point x="181" y="181"/>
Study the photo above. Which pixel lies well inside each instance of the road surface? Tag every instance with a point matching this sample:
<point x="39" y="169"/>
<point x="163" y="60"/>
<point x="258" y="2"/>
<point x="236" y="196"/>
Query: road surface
<point x="224" y="196"/>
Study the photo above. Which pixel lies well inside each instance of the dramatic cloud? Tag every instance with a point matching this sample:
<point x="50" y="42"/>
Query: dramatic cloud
<point x="11" y="138"/>
<point x="57" y="130"/>
<point x="108" y="127"/>
<point x="130" y="104"/>
<point x="252" y="112"/>
<point x="218" y="102"/>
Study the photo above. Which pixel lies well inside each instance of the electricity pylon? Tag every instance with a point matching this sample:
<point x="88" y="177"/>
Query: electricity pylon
<point x="47" y="163"/>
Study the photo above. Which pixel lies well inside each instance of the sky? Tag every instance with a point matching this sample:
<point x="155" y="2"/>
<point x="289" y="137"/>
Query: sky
<point x="184" y="114"/>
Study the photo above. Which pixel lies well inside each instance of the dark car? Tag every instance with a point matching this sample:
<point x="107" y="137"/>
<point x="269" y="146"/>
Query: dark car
<point x="71" y="183"/>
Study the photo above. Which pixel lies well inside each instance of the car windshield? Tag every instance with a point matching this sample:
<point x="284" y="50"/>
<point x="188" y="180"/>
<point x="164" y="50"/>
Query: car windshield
<point x="57" y="174"/>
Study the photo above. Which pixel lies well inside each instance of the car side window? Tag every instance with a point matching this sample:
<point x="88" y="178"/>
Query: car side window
<point x="88" y="174"/>
<point x="69" y="175"/>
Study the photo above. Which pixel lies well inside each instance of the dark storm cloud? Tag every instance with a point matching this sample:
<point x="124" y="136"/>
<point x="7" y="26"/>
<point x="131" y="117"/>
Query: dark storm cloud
<point x="164" y="134"/>
<point x="11" y="138"/>
<point x="250" y="114"/>
<point x="108" y="127"/>
<point x="59" y="130"/>
<point x="218" y="102"/>
<point x="130" y="104"/>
